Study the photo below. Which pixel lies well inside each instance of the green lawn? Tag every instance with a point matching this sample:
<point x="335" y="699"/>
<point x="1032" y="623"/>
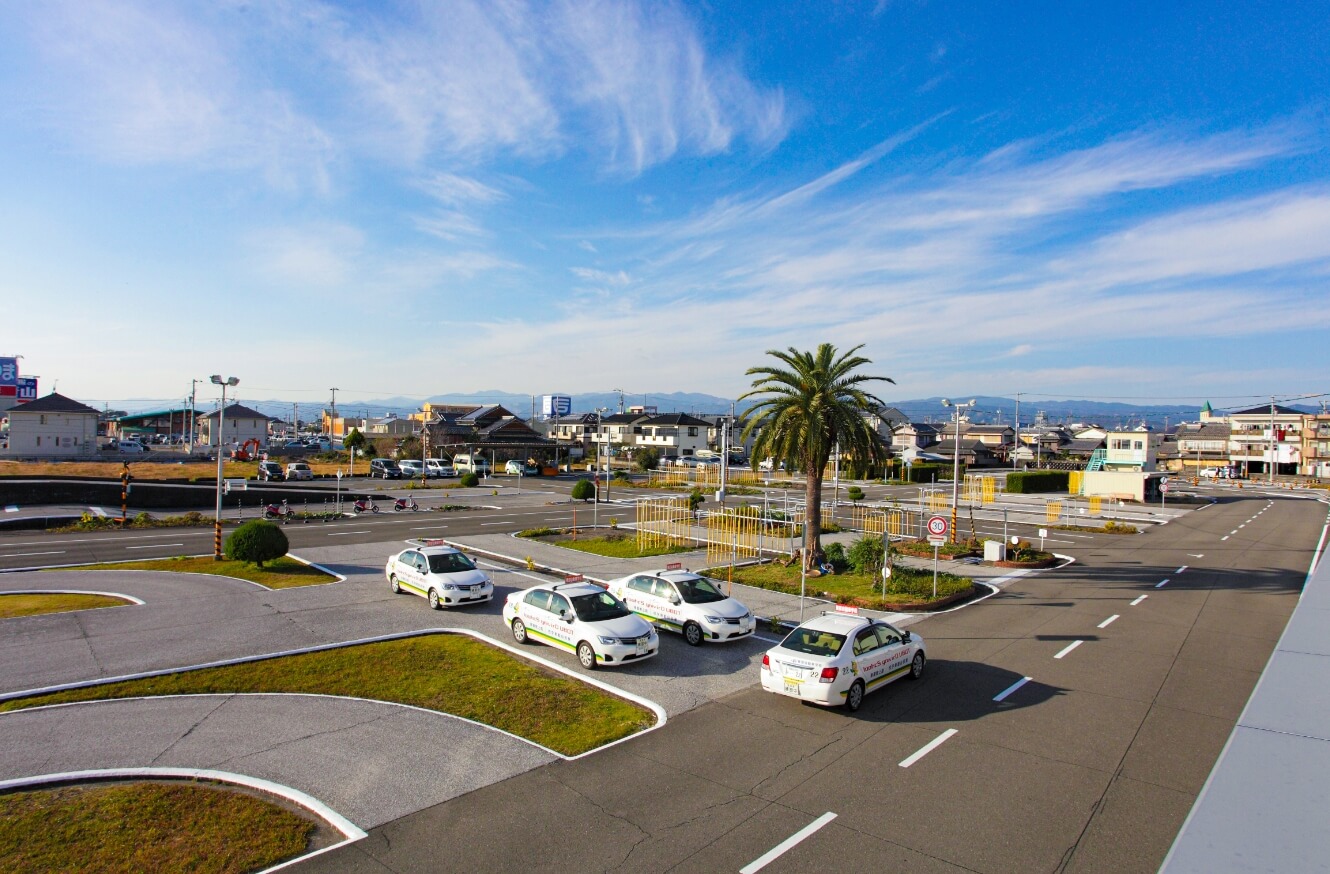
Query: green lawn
<point x="56" y="602"/>
<point x="619" y="546"/>
<point x="146" y="826"/>
<point x="907" y="584"/>
<point x="449" y="673"/>
<point x="283" y="573"/>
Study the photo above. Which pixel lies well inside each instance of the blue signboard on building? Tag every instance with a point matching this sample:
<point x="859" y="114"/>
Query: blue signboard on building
<point x="27" y="389"/>
<point x="8" y="372"/>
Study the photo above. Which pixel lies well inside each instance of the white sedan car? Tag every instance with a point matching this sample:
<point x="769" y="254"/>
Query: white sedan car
<point x="838" y="658"/>
<point x="687" y="603"/>
<point x="583" y="619"/>
<point x="440" y="574"/>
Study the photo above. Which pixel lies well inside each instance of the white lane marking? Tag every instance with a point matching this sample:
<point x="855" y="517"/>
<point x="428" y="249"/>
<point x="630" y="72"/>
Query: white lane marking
<point x="1109" y="621"/>
<point x="1068" y="648"/>
<point x="1196" y="554"/>
<point x="1161" y="584"/>
<point x="495" y="523"/>
<point x="1225" y="537"/>
<point x="1234" y="531"/>
<point x="767" y="639"/>
<point x="786" y="845"/>
<point x="155" y="546"/>
<point x="1012" y="688"/>
<point x="344" y="533"/>
<point x="17" y="554"/>
<point x="928" y="747"/>
<point x="1181" y="569"/>
<point x="1138" y="600"/>
<point x="430" y="528"/>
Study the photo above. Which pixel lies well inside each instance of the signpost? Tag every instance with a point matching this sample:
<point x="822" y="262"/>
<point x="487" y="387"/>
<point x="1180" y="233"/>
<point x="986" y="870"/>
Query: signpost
<point x="1163" y="492"/>
<point x="938" y="526"/>
<point x="1043" y="532"/>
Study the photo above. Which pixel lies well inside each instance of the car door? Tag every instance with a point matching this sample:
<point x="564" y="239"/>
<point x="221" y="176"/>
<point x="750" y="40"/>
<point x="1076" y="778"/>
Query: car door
<point x="895" y="649"/>
<point x="562" y="631"/>
<point x="867" y="660"/>
<point x="637" y="595"/>
<point x="668" y="604"/>
<point x="534" y="611"/>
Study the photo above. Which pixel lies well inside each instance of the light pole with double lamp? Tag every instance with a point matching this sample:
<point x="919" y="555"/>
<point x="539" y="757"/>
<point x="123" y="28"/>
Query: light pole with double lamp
<point x="956" y="458"/>
<point x="221" y="432"/>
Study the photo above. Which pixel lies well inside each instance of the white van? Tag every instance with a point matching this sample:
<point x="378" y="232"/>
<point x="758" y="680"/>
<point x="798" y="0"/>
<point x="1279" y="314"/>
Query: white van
<point x="465" y="463"/>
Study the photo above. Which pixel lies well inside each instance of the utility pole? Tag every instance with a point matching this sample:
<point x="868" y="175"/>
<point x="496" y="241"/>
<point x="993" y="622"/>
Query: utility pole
<point x="333" y="415"/>
<point x="295" y="420"/>
<point x="193" y="414"/>
<point x="1273" y="448"/>
<point x="1018" y="430"/>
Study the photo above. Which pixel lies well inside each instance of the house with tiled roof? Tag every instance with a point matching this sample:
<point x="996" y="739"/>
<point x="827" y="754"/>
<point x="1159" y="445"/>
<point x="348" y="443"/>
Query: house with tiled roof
<point x="674" y="435"/>
<point x="241" y="425"/>
<point x="53" y="425"/>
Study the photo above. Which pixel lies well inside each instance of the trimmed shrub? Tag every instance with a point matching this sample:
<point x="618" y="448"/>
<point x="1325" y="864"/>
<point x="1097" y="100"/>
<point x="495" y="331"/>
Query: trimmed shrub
<point x="866" y="555"/>
<point x="583" y="490"/>
<point x="647" y="459"/>
<point x="469" y="480"/>
<point x="1032" y="481"/>
<point x="695" y="499"/>
<point x="855" y="494"/>
<point x="255" y="542"/>
<point x="928" y="472"/>
<point x="835" y="553"/>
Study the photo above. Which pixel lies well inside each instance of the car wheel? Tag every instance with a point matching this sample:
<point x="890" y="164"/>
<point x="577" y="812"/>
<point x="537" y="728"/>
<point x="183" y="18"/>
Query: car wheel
<point x="917" y="666"/>
<point x="692" y="633"/>
<point x="519" y="631"/>
<point x="855" y="697"/>
<point x="586" y="656"/>
<point x="434" y="599"/>
<point x="396" y="586"/>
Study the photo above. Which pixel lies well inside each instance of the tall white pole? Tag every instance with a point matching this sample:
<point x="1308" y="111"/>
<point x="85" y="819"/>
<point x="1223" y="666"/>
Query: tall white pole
<point x="1273" y="448"/>
<point x="955" y="472"/>
<point x="217" y="518"/>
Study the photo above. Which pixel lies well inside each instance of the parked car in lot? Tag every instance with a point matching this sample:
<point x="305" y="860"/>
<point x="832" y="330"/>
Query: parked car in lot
<point x="836" y="659"/>
<point x="770" y="464"/>
<point x="685" y="602"/>
<point x="521" y="468"/>
<point x="131" y="446"/>
<point x="271" y="471"/>
<point x="385" y="468"/>
<point x="411" y="467"/>
<point x="466" y="463"/>
<point x="583" y="619"/>
<point x="439" y="467"/>
<point x="298" y="470"/>
<point x="440" y="574"/>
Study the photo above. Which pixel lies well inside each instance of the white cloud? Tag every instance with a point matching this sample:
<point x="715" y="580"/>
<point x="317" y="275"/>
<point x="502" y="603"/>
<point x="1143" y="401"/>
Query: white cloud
<point x="617" y="279"/>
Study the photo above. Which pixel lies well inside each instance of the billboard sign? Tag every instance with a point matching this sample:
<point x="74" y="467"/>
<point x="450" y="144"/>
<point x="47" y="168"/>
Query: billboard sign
<point x="8" y="372"/>
<point x="27" y="389"/>
<point x="555" y="405"/>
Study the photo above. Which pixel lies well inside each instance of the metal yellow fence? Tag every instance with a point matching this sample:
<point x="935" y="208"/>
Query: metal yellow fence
<point x="1053" y="511"/>
<point x="1075" y="480"/>
<point x="872" y="520"/>
<point x="664" y="522"/>
<point x="979" y="489"/>
<point x="1096" y="503"/>
<point x="734" y="534"/>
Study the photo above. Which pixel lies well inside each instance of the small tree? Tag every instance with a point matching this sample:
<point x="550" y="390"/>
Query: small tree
<point x="855" y="494"/>
<point x="409" y="447"/>
<point x="866" y="555"/>
<point x="695" y="499"/>
<point x="354" y="440"/>
<point x="583" y="490"/>
<point x="255" y="542"/>
<point x="469" y="479"/>
<point x="647" y="459"/>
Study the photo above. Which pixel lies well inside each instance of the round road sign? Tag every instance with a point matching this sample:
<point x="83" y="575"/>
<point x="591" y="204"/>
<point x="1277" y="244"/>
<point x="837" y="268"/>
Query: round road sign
<point x="938" y="525"/>
<point x="1163" y="487"/>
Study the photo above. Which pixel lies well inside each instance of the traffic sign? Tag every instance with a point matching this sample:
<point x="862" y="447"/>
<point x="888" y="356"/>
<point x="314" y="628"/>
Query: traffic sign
<point x="1163" y="487"/>
<point x="937" y="526"/>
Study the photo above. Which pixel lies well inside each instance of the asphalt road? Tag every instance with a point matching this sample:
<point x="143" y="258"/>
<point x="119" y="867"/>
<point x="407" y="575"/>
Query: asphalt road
<point x="1133" y="666"/>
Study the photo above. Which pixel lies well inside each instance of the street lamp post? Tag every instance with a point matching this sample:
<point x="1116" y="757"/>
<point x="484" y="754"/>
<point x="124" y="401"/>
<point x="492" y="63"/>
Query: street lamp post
<point x="956" y="459"/>
<point x="221" y="431"/>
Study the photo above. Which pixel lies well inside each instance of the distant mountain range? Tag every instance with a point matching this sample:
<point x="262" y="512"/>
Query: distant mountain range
<point x="988" y="409"/>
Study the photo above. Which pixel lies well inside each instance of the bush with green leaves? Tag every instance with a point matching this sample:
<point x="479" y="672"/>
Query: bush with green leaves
<point x="866" y="555"/>
<point x="354" y="439"/>
<point x="695" y="499"/>
<point x="855" y="494"/>
<point x="835" y="554"/>
<point x="647" y="459"/>
<point x="469" y="479"/>
<point x="1032" y="481"/>
<point x="255" y="542"/>
<point x="583" y="490"/>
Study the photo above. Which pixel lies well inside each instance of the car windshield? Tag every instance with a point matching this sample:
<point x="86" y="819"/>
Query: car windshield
<point x="598" y="607"/>
<point x="698" y="590"/>
<point x="449" y="563"/>
<point x="814" y="642"/>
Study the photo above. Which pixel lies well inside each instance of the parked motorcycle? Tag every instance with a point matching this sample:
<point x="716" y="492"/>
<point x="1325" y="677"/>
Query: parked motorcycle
<point x="275" y="511"/>
<point x="362" y="505"/>
<point x="408" y="503"/>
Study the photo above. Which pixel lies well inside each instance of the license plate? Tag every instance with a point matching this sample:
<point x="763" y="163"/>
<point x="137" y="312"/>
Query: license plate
<point x="641" y="646"/>
<point x="791" y="687"/>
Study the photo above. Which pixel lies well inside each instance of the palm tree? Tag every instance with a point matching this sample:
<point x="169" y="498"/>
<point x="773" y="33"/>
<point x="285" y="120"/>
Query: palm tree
<point x="807" y="405"/>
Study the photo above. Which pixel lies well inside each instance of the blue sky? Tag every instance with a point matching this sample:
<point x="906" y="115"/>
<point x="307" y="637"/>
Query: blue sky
<point x="1122" y="201"/>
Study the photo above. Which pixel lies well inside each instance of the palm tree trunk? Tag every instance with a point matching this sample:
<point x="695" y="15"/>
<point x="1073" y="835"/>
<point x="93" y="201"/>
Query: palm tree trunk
<point x="812" y="516"/>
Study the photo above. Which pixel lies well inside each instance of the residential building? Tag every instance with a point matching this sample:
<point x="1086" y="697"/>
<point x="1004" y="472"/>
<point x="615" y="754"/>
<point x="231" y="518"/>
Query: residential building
<point x="391" y="426"/>
<point x="1199" y="446"/>
<point x="911" y="437"/>
<point x="673" y="434"/>
<point x="1258" y="433"/>
<point x="242" y="425"/>
<point x="1316" y="446"/>
<point x="53" y="425"/>
<point x="1134" y="450"/>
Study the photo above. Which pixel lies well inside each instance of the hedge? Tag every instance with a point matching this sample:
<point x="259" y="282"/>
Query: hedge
<point x="928" y="472"/>
<point x="1030" y="481"/>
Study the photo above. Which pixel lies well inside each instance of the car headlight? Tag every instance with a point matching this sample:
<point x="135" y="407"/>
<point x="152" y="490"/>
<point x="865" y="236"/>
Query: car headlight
<point x="449" y="587"/>
<point x="608" y="641"/>
<point x="714" y="620"/>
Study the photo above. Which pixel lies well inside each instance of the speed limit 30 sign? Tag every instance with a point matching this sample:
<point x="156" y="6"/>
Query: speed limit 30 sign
<point x="937" y="526"/>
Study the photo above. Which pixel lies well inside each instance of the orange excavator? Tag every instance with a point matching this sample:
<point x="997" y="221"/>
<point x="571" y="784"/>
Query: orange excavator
<point x="243" y="453"/>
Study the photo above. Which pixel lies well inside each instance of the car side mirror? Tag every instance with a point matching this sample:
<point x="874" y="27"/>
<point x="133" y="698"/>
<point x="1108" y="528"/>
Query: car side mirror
<point x="675" y="599"/>
<point x="564" y="615"/>
<point x="905" y="636"/>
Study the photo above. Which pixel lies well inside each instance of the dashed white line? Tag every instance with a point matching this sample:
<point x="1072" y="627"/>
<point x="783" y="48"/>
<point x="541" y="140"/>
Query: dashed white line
<point x="1161" y="584"/>
<point x="928" y="747"/>
<point x="344" y="533"/>
<point x="1225" y="537"/>
<point x="1109" y="621"/>
<point x="1234" y="531"/>
<point x="1068" y="648"/>
<point x="1181" y="569"/>
<point x="17" y="554"/>
<point x="1012" y="688"/>
<point x="495" y="523"/>
<point x="430" y="528"/>
<point x="1138" y="600"/>
<point x="784" y="846"/>
<point x="155" y="546"/>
